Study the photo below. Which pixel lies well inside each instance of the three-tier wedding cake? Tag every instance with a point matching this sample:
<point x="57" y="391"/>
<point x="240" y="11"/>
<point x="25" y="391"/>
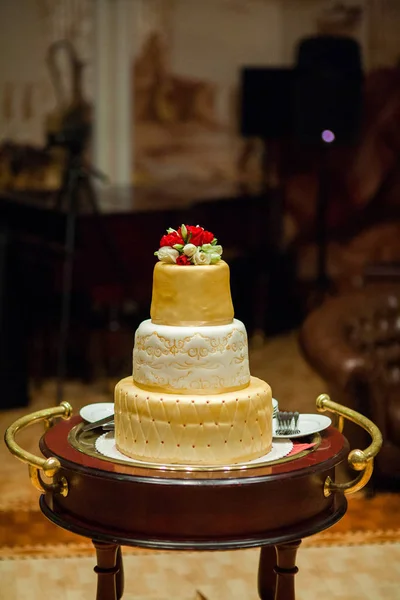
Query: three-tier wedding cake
<point x="191" y="399"/>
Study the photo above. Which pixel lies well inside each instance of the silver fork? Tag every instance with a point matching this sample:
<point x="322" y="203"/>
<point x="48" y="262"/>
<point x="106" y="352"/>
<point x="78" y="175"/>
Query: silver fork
<point x="287" y="423"/>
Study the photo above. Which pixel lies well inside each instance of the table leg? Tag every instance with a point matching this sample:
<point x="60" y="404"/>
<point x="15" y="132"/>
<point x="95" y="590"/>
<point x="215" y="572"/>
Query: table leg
<point x="286" y="570"/>
<point x="107" y="571"/>
<point x="120" y="580"/>
<point x="266" y="573"/>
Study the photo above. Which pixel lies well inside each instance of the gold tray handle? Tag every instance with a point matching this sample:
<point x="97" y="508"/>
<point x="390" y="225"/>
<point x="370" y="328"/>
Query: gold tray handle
<point x="50" y="465"/>
<point x="359" y="460"/>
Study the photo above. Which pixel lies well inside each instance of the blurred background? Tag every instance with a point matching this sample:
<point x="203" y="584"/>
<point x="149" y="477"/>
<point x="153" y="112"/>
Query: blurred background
<point x="273" y="123"/>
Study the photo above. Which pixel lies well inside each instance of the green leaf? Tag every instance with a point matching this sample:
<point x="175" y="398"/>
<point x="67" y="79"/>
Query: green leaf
<point x="178" y="247"/>
<point x="170" y="230"/>
<point x="214" y="241"/>
<point x="184" y="232"/>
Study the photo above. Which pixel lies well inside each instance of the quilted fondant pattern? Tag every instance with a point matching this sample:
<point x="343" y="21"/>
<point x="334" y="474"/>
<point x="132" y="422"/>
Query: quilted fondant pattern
<point x="192" y="429"/>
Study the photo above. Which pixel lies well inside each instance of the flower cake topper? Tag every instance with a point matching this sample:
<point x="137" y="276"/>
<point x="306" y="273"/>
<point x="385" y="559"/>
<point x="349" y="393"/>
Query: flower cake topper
<point x="189" y="245"/>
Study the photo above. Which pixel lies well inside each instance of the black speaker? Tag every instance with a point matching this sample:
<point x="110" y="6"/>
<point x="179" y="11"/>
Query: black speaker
<point x="266" y="107"/>
<point x="327" y="88"/>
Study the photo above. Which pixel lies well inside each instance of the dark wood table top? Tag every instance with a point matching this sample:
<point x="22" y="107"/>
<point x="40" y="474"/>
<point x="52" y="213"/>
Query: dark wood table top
<point x="333" y="447"/>
<point x="162" y="509"/>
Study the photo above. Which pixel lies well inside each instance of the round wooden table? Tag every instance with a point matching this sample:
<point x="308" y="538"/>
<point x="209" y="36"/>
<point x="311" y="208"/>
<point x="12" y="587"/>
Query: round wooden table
<point x="272" y="507"/>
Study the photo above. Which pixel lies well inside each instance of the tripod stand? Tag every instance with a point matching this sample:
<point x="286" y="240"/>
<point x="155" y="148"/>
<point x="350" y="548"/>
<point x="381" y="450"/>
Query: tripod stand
<point x="77" y="186"/>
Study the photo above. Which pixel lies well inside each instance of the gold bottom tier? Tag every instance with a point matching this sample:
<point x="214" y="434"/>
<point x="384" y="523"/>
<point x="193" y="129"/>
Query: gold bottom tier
<point x="188" y="429"/>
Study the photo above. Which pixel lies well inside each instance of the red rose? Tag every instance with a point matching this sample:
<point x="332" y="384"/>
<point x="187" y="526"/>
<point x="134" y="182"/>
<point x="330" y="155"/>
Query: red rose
<point x="207" y="237"/>
<point x="170" y="239"/>
<point x="183" y="260"/>
<point x="197" y="235"/>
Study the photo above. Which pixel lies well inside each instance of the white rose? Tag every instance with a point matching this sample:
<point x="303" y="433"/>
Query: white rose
<point x="189" y="250"/>
<point x="167" y="254"/>
<point x="201" y="258"/>
<point x="214" y="257"/>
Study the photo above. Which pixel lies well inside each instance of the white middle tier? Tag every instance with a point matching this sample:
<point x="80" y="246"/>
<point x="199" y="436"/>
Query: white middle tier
<point x="201" y="360"/>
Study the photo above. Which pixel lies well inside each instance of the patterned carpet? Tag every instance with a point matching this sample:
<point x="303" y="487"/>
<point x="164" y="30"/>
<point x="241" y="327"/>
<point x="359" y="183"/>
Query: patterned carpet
<point x="358" y="557"/>
<point x="335" y="573"/>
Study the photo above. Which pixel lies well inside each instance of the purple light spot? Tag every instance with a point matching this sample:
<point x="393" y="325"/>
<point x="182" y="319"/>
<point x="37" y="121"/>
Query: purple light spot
<point x="328" y="136"/>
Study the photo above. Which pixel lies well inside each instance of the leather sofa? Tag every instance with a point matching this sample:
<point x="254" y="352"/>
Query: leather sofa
<point x="353" y="342"/>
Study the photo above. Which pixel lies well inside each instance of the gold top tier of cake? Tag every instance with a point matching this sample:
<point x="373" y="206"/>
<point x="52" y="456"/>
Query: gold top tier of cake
<point x="191" y="295"/>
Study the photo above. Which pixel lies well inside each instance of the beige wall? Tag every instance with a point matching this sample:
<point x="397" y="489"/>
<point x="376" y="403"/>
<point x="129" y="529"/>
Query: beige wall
<point x="211" y="42"/>
<point x="300" y="18"/>
<point x="27" y="28"/>
<point x="384" y="32"/>
<point x="207" y="40"/>
<point x="225" y="38"/>
<point x="22" y="71"/>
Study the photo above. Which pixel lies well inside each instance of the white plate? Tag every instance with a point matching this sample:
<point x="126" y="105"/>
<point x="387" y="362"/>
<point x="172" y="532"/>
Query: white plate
<point x="95" y="412"/>
<point x="307" y="425"/>
<point x="105" y="444"/>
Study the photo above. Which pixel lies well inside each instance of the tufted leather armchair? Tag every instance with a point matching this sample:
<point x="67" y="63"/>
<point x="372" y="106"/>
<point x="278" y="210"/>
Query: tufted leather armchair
<point x="353" y="342"/>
